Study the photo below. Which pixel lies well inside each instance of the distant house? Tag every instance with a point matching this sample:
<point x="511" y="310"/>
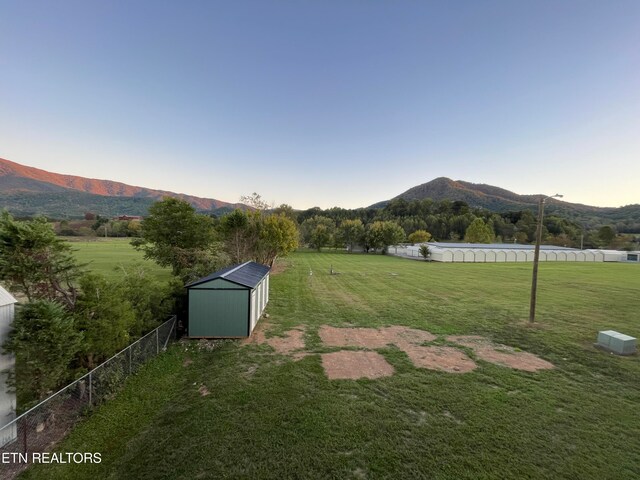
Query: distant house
<point x="128" y="218"/>
<point x="7" y="362"/>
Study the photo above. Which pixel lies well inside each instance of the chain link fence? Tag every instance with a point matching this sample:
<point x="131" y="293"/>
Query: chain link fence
<point x="41" y="427"/>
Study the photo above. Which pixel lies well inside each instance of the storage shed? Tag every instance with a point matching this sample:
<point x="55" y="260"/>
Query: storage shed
<point x="229" y="302"/>
<point x="7" y="398"/>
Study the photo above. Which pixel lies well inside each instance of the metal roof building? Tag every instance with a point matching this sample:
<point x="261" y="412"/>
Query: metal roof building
<point x="229" y="302"/>
<point x="497" y="253"/>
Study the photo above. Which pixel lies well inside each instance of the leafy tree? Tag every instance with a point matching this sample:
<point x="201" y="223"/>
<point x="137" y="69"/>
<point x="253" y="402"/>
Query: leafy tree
<point x="133" y="228"/>
<point x="175" y="236"/>
<point x="254" y="201"/>
<point x="287" y="211"/>
<point x="352" y="232"/>
<point x="104" y="317"/>
<point x="424" y="251"/>
<point x="235" y="228"/>
<point x="479" y="232"/>
<point x="35" y="262"/>
<point x="606" y="235"/>
<point x="381" y="234"/>
<point x="45" y="341"/>
<point x="419" y="236"/>
<point x="373" y="236"/>
<point x="392" y="234"/>
<point x="152" y="301"/>
<point x="277" y="237"/>
<point x="258" y="236"/>
<point x="100" y="222"/>
<point x="318" y="231"/>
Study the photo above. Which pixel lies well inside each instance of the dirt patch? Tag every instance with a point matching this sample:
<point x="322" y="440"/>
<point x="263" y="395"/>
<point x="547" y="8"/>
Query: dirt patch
<point x="187" y="362"/>
<point x="354" y="365"/>
<point x="279" y="267"/>
<point x="373" y="337"/>
<point x="353" y="337"/>
<point x="444" y="359"/>
<point x="291" y="342"/>
<point x="501" y="354"/>
<point x="405" y="335"/>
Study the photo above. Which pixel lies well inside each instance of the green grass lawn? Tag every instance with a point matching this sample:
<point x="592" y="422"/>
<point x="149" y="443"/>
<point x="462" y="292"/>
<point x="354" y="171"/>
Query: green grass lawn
<point x="107" y="256"/>
<point x="268" y="417"/>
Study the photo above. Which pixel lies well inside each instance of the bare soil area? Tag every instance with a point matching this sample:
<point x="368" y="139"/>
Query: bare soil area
<point x="290" y="344"/>
<point x="501" y="354"/>
<point x="444" y="359"/>
<point x="373" y="337"/>
<point x="353" y="365"/>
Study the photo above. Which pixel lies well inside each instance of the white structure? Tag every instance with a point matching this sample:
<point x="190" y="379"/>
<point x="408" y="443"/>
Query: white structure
<point x="618" y="256"/>
<point x="7" y="362"/>
<point x="508" y="252"/>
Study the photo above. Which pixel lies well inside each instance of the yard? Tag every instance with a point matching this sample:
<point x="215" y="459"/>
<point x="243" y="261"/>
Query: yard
<point x="107" y="256"/>
<point x="242" y="410"/>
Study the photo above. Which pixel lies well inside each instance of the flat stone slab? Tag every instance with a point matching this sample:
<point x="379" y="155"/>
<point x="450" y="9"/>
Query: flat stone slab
<point x="353" y="365"/>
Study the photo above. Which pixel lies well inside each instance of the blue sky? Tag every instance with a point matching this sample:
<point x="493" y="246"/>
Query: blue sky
<point x="327" y="103"/>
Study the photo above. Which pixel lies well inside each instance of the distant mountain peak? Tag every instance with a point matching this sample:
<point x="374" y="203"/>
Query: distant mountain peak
<point x="475" y="194"/>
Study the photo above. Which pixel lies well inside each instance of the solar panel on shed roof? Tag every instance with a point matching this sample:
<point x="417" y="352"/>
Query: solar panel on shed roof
<point x="248" y="274"/>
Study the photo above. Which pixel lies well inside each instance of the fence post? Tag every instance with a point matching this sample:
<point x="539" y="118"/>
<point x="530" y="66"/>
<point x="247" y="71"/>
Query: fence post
<point x="157" y="341"/>
<point x="90" y="389"/>
<point x="130" y="359"/>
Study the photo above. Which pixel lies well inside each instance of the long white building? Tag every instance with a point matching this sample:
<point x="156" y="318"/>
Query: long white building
<point x="509" y="252"/>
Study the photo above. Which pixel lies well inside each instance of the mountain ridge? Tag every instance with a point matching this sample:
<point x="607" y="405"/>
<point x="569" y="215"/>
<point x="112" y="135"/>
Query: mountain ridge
<point x="500" y="200"/>
<point x="21" y="181"/>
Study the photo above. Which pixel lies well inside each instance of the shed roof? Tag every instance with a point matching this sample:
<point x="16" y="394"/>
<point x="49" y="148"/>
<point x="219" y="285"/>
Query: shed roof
<point x="248" y="274"/>
<point x="6" y="298"/>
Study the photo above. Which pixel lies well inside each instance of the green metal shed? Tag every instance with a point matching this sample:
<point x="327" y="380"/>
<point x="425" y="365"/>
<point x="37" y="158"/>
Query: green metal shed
<point x="229" y="302"/>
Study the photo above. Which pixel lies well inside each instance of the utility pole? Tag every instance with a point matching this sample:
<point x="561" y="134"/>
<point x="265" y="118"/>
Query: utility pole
<point x="536" y="258"/>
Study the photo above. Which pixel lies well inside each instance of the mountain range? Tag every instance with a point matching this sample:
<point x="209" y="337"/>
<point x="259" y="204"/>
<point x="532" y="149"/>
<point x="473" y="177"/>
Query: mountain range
<point x="27" y="191"/>
<point x="496" y="199"/>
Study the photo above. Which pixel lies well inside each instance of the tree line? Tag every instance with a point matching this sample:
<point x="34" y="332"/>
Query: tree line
<point x="400" y="220"/>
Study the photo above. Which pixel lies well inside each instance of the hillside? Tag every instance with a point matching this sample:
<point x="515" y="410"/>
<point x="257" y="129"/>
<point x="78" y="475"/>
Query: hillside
<point x="497" y="199"/>
<point x="27" y="191"/>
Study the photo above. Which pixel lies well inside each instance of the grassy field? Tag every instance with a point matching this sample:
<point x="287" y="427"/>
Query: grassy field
<point x="269" y="417"/>
<point x="107" y="256"/>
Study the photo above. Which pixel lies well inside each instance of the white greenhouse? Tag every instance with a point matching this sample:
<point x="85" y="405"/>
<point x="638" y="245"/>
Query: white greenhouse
<point x="508" y="252"/>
